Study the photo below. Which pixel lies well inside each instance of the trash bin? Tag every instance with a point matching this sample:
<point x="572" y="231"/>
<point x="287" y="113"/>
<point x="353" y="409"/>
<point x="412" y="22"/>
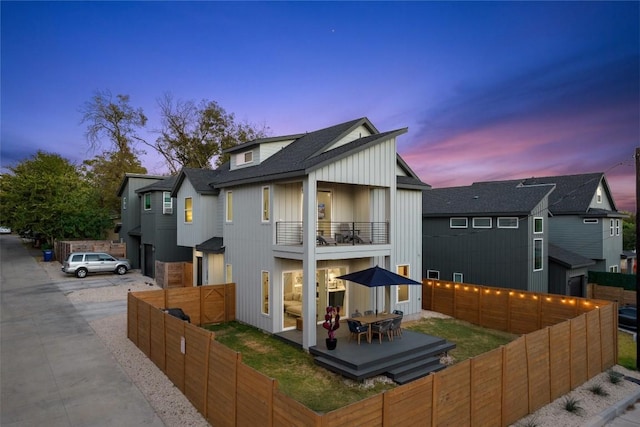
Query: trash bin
<point x="48" y="255"/>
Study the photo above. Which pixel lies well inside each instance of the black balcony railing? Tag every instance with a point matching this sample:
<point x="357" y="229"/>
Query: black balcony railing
<point x="335" y="233"/>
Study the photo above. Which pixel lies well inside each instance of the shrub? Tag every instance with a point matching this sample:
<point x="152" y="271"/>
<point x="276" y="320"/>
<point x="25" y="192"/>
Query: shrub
<point x="572" y="405"/>
<point x="598" y="390"/>
<point x="615" y="377"/>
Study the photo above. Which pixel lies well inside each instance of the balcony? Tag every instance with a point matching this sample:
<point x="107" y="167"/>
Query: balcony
<point x="335" y="233"/>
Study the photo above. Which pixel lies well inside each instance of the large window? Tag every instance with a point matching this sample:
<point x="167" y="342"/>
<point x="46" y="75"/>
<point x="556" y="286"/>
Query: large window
<point x="537" y="225"/>
<point x="481" y="222"/>
<point x="229" y="206"/>
<point x="265" y="292"/>
<point x="403" y="290"/>
<point x="265" y="204"/>
<point x="537" y="255"/>
<point x="188" y="210"/>
<point x="147" y="201"/>
<point x="458" y="223"/>
<point x="167" y="203"/>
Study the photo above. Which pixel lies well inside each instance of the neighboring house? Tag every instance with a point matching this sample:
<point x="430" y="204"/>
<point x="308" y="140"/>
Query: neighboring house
<point x="149" y="222"/>
<point x="537" y="234"/>
<point x="289" y="214"/>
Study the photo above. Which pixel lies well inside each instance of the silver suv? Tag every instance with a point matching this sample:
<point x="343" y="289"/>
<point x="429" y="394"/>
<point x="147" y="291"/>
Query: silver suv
<point x="82" y="263"/>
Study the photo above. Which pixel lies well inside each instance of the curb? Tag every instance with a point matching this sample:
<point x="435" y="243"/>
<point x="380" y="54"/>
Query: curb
<point x="613" y="411"/>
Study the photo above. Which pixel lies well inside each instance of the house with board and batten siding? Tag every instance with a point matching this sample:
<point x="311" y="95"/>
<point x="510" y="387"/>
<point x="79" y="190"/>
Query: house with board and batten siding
<point x="287" y="215"/>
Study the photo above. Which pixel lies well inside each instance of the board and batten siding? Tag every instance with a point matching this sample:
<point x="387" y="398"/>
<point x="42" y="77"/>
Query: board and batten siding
<point x="204" y="216"/>
<point x="248" y="248"/>
<point x="407" y="244"/>
<point x="539" y="280"/>
<point x="571" y="233"/>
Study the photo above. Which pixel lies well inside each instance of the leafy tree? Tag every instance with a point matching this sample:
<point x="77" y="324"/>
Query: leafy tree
<point x="192" y="135"/>
<point x="47" y="195"/>
<point x="629" y="232"/>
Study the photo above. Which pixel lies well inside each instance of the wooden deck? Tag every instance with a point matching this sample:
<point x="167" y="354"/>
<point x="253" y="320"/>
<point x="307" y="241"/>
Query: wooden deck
<point x="406" y="358"/>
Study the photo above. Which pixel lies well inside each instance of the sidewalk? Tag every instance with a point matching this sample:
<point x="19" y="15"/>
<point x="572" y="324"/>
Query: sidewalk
<point x="54" y="370"/>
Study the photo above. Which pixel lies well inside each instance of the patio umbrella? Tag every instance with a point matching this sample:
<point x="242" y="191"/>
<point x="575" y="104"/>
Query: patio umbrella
<point x="376" y="276"/>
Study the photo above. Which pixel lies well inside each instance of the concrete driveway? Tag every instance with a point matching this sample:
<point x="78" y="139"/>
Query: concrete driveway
<point x="54" y="370"/>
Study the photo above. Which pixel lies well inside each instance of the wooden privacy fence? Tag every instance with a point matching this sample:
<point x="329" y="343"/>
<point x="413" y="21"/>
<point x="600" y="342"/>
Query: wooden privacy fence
<point x="494" y="389"/>
<point x="611" y="293"/>
<point x="64" y="248"/>
<point x="174" y="274"/>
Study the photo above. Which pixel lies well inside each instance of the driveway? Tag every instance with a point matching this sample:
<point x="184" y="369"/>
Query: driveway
<point x="54" y="370"/>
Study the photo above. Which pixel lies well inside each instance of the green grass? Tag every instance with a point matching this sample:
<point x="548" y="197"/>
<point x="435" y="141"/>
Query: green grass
<point x="626" y="351"/>
<point x="470" y="340"/>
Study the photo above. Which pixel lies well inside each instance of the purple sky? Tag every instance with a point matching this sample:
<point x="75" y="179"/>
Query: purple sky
<point x="488" y="90"/>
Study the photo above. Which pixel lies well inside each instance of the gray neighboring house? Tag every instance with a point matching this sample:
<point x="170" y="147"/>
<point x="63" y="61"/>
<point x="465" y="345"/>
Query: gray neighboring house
<point x="149" y="222"/>
<point x="566" y="226"/>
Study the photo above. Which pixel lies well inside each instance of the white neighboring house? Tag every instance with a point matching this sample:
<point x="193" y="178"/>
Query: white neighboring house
<point x="287" y="215"/>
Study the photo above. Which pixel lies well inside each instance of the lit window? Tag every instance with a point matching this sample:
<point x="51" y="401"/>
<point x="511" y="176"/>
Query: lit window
<point x="537" y="225"/>
<point x="508" y="222"/>
<point x="228" y="273"/>
<point x="265" y="204"/>
<point x="458" y="223"/>
<point x="403" y="290"/>
<point x="537" y="255"/>
<point x="229" y="206"/>
<point x="599" y="195"/>
<point x="188" y="210"/>
<point x="481" y="222"/>
<point x="265" y="292"/>
<point x="147" y="201"/>
<point x="167" y="203"/>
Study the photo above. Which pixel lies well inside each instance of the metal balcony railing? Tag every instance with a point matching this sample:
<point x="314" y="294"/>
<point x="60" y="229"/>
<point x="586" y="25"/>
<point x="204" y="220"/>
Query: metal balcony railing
<point x="335" y="233"/>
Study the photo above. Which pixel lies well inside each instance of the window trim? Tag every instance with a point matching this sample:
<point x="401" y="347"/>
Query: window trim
<point x="466" y="222"/>
<point x="265" y="303"/>
<point x="124" y="203"/>
<point x="460" y="277"/>
<point x="188" y="211"/>
<point x="599" y="195"/>
<point x="611" y="227"/>
<point x="483" y="218"/>
<point x="146" y="197"/>
<point x="430" y="273"/>
<point x="541" y="267"/>
<point x="266" y="204"/>
<point x="228" y="207"/>
<point x="538" y="220"/>
<point x="617" y="227"/>
<point x="244" y="158"/>
<point x="167" y="208"/>
<point x="590" y="221"/>
<point x="509" y="218"/>
<point x="228" y="273"/>
<point x="403" y="287"/>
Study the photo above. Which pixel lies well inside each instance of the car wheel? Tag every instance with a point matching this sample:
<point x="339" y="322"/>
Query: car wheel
<point x="81" y="273"/>
<point x="121" y="269"/>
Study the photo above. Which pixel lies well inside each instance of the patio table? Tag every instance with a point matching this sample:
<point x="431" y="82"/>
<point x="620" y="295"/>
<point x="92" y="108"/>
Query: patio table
<point x="371" y="319"/>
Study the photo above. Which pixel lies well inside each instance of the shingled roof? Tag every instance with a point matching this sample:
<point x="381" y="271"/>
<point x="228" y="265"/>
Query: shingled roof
<point x="567" y="258"/>
<point x="200" y="179"/>
<point x="165" y="184"/>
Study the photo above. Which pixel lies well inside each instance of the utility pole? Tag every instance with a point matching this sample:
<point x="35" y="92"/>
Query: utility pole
<point x="637" y="156"/>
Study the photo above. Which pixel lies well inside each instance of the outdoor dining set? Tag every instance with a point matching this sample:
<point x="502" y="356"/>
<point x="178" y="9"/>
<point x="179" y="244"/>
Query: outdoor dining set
<point x="370" y="325"/>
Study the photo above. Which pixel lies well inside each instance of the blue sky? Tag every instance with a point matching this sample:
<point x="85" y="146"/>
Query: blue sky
<point x="488" y="90"/>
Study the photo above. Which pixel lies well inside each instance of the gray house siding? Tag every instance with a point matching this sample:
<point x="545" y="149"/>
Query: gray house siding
<point x="539" y="279"/>
<point x="571" y="233"/>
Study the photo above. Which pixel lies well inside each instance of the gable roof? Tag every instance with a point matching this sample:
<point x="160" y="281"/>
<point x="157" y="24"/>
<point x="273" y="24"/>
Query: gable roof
<point x="127" y="176"/>
<point x="485" y="198"/>
<point x="165" y="184"/>
<point x="200" y="179"/>
<point x="567" y="258"/>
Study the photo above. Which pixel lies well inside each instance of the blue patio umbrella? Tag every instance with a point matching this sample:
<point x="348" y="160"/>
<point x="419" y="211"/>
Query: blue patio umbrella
<point x="376" y="276"/>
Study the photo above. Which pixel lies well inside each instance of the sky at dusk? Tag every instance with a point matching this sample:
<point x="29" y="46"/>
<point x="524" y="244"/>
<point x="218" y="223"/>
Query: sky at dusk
<point x="488" y="90"/>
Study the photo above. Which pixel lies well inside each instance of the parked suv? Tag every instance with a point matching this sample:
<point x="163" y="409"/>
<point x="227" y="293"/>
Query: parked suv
<point x="82" y="263"/>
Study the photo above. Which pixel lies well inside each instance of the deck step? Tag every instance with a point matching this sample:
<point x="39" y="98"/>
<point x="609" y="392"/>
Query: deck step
<point x="412" y="376"/>
<point x="408" y="368"/>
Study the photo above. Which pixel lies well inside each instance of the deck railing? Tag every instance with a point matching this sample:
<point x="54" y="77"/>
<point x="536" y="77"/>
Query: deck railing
<point x="335" y="233"/>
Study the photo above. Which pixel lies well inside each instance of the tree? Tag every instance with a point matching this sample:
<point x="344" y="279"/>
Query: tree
<point x="47" y="195"/>
<point x="193" y="135"/>
<point x="629" y="232"/>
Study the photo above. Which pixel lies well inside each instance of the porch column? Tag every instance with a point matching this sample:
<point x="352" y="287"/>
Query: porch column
<point x="309" y="213"/>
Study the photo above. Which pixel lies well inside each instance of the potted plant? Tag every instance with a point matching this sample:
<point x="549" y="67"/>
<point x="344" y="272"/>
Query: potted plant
<point x="331" y="323"/>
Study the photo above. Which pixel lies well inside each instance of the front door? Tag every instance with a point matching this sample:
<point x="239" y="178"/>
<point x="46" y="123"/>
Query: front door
<point x="148" y="261"/>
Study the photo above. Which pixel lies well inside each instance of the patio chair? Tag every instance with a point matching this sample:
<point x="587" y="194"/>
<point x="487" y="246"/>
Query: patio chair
<point x="400" y="312"/>
<point x="396" y="329"/>
<point x="356" y="314"/>
<point x="324" y="240"/>
<point x="369" y="312"/>
<point x="348" y="234"/>
<point x="382" y="328"/>
<point x="357" y="329"/>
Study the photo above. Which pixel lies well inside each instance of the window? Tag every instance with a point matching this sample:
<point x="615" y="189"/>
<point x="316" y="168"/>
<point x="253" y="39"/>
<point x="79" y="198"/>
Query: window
<point x="433" y="274"/>
<point x="537" y="225"/>
<point x="147" y="201"/>
<point x="124" y="203"/>
<point x="599" y="195"/>
<point x="617" y="227"/>
<point x="611" y="227"/>
<point x="458" y="223"/>
<point x="481" y="222"/>
<point x="244" y="158"/>
<point x="508" y="222"/>
<point x="167" y="203"/>
<point x="188" y="210"/>
<point x="537" y="255"/>
<point x="229" y="206"/>
<point x="590" y="220"/>
<point x="228" y="270"/>
<point x="613" y="269"/>
<point x="265" y="292"/>
<point x="457" y="277"/>
<point x="265" y="204"/>
<point x="403" y="290"/>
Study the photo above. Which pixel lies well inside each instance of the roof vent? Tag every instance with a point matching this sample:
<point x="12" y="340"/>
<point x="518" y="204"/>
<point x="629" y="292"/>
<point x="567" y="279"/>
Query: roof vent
<point x="476" y="197"/>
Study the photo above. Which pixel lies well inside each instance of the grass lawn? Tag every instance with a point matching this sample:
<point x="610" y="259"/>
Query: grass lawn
<point x="626" y="350"/>
<point x="323" y="391"/>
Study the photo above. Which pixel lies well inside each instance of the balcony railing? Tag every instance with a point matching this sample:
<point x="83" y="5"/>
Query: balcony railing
<point x="335" y="233"/>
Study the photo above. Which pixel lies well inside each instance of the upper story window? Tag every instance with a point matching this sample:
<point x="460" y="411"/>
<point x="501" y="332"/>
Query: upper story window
<point x="147" y="201"/>
<point x="508" y="222"/>
<point x="481" y="222"/>
<point x="167" y="203"/>
<point x="611" y="227"/>
<point x="537" y="225"/>
<point x="537" y="255"/>
<point x="265" y="204"/>
<point x="124" y="203"/>
<point x="229" y="206"/>
<point x="244" y="158"/>
<point x="617" y="227"/>
<point x="188" y="210"/>
<point x="458" y="222"/>
<point x="590" y="220"/>
<point x="599" y="195"/>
